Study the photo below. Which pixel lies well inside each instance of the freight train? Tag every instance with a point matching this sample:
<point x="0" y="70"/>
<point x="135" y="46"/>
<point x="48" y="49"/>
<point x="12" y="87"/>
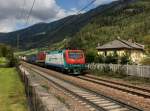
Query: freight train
<point x="70" y="61"/>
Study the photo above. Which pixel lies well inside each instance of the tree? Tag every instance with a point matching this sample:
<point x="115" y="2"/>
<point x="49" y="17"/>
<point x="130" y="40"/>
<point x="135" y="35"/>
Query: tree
<point x="125" y="59"/>
<point x="90" y="56"/>
<point x="147" y="42"/>
<point x="7" y="52"/>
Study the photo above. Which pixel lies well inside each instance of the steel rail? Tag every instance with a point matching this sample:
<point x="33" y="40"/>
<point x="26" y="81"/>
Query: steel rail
<point x="71" y="92"/>
<point x="142" y="93"/>
<point x="117" y="83"/>
<point x="131" y="108"/>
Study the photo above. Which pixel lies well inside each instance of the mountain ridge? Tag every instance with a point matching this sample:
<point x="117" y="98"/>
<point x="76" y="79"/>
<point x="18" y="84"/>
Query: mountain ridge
<point x="104" y="23"/>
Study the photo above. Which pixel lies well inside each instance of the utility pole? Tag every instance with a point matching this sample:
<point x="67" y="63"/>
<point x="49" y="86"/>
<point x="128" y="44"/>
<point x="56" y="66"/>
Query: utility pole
<point x="18" y="37"/>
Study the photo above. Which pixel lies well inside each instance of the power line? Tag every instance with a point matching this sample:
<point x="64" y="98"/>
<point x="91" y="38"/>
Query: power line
<point x="23" y="9"/>
<point x="27" y="19"/>
<point x="28" y="16"/>
<point x="93" y="15"/>
<point x="21" y="15"/>
<point x="86" y="6"/>
<point x="59" y="27"/>
<point x="67" y="20"/>
<point x="63" y="23"/>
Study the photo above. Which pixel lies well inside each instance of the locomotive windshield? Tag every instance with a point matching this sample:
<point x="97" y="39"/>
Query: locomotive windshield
<point x="75" y="55"/>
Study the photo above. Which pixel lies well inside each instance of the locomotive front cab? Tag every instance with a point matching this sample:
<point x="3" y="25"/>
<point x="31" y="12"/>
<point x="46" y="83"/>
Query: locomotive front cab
<point x="75" y="60"/>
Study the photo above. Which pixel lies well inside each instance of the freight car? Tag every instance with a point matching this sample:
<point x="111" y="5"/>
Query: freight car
<point x="40" y="58"/>
<point x="31" y="58"/>
<point x="71" y="61"/>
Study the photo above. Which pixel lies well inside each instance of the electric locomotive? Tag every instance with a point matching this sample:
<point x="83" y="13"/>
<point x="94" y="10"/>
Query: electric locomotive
<point x="72" y="61"/>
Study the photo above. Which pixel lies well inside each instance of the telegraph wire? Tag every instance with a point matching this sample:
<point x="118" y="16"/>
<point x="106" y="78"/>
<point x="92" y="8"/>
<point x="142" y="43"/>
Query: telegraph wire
<point x="86" y="7"/>
<point x="23" y="14"/>
<point x="67" y="20"/>
<point x="59" y="27"/>
<point x="20" y="15"/>
<point x="27" y="19"/>
<point x="93" y="15"/>
<point x="63" y="23"/>
<point x="28" y="16"/>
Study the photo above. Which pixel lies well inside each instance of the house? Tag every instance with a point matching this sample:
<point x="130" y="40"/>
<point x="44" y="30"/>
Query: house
<point x="121" y="48"/>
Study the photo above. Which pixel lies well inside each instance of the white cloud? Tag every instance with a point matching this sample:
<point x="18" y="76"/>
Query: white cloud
<point x="6" y="25"/>
<point x="13" y="12"/>
<point x="100" y="2"/>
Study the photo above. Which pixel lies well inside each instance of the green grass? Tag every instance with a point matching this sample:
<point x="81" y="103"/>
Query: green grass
<point x="12" y="95"/>
<point x="3" y="61"/>
<point x="28" y="52"/>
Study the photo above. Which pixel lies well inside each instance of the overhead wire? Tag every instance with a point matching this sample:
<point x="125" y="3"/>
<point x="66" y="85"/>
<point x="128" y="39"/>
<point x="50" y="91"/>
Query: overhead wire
<point x="21" y="15"/>
<point x="22" y="12"/>
<point x="93" y="15"/>
<point x="23" y="9"/>
<point x="59" y="27"/>
<point x="86" y="6"/>
<point x="28" y="16"/>
<point x="63" y="23"/>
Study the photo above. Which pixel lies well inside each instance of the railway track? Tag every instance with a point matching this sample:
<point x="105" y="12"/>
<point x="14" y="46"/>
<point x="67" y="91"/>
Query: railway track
<point x="119" y="86"/>
<point x="94" y="101"/>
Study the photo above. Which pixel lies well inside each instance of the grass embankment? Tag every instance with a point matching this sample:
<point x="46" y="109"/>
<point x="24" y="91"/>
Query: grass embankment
<point x="122" y="76"/>
<point x="12" y="95"/>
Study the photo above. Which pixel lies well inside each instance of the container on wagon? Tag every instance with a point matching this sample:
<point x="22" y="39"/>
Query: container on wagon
<point x="41" y="57"/>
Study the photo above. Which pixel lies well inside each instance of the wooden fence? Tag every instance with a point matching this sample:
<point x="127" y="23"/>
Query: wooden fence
<point x="134" y="70"/>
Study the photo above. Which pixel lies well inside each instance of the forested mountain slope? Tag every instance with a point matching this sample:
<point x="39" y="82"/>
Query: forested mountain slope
<point x="127" y="19"/>
<point x="129" y="22"/>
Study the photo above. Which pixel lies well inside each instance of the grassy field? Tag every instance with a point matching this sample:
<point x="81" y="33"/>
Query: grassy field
<point x="12" y="96"/>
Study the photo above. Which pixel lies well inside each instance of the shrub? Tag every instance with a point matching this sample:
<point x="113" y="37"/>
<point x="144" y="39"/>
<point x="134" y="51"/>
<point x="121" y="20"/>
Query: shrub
<point x="13" y="62"/>
<point x="106" y="69"/>
<point x="90" y="56"/>
<point x="146" y="61"/>
<point x="125" y="59"/>
<point x="7" y="52"/>
<point x="111" y="59"/>
<point x="99" y="59"/>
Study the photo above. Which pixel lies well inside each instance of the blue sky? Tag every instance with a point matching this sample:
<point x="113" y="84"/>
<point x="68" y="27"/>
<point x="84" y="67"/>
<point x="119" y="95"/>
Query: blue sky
<point x="13" y="13"/>
<point x="77" y="4"/>
<point x="64" y="4"/>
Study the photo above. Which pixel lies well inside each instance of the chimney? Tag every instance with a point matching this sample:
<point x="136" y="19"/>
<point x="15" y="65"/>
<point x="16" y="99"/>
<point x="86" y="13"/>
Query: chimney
<point x="130" y="40"/>
<point x="118" y="37"/>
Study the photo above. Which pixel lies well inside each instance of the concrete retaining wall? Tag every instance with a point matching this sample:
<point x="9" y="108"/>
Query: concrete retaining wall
<point x="38" y="97"/>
